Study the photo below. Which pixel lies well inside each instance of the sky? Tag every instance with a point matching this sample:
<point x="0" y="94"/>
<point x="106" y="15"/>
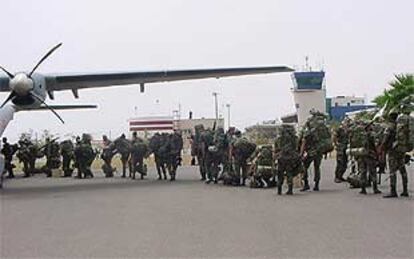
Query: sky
<point x="360" y="44"/>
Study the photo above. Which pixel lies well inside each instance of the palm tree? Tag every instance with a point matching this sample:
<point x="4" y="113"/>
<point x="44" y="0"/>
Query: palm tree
<point x="402" y="88"/>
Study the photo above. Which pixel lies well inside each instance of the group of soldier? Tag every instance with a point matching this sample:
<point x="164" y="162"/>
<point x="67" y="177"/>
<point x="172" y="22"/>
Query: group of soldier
<point x="79" y="156"/>
<point x="65" y="154"/>
<point x="369" y="142"/>
<point x="232" y="159"/>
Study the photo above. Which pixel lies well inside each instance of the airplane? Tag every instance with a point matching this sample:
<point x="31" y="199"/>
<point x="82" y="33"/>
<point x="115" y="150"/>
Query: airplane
<point x="28" y="91"/>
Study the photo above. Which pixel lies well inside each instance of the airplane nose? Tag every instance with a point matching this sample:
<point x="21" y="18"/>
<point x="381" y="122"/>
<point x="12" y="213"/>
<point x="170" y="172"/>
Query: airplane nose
<point x="21" y="84"/>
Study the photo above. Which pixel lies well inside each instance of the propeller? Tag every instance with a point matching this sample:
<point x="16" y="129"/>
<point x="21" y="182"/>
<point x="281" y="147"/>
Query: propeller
<point x="10" y="97"/>
<point x="26" y="77"/>
<point x="7" y="72"/>
<point x="47" y="106"/>
<point x="44" y="58"/>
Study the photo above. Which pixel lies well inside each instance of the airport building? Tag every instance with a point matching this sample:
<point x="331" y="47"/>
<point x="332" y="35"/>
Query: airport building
<point x="337" y="107"/>
<point x="309" y="93"/>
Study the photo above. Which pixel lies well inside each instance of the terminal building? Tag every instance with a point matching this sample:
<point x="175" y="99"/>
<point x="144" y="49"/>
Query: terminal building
<point x="309" y="92"/>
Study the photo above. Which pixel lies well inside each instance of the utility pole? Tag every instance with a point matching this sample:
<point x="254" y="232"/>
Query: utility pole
<point x="216" y="104"/>
<point x="228" y="114"/>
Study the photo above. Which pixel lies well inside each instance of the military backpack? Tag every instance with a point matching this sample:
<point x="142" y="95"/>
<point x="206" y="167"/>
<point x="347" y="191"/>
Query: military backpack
<point x="405" y="133"/>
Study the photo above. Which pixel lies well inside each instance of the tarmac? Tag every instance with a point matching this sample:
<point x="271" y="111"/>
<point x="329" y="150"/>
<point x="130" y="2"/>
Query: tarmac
<point x="117" y="217"/>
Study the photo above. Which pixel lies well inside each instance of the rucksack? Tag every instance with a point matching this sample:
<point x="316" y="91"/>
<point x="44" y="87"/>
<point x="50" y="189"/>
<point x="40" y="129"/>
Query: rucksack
<point x="321" y="135"/>
<point x="244" y="148"/>
<point x="358" y="140"/>
<point x="405" y="133"/>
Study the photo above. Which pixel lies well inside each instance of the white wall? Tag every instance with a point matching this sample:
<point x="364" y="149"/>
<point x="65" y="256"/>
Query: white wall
<point x="308" y="100"/>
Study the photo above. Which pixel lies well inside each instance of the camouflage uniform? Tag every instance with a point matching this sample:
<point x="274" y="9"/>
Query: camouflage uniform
<point x="378" y="129"/>
<point x="242" y="149"/>
<point x="67" y="152"/>
<point x="311" y="155"/>
<point x="174" y="157"/>
<point x="52" y="153"/>
<point x="366" y="160"/>
<point x="138" y="153"/>
<point x="24" y="156"/>
<point x="84" y="156"/>
<point x="341" y="144"/>
<point x="263" y="169"/>
<point x="210" y="155"/>
<point x="8" y="152"/>
<point x="396" y="156"/>
<point x="315" y="141"/>
<point x="196" y="149"/>
<point x="288" y="159"/>
<point x="155" y="146"/>
<point x="107" y="155"/>
<point x="123" y="147"/>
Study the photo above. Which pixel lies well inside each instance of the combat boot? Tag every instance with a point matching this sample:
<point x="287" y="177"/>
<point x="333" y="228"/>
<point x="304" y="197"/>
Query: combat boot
<point x="279" y="190"/>
<point x="405" y="186"/>
<point x="290" y="190"/>
<point x="363" y="190"/>
<point x="375" y="188"/>
<point x="316" y="187"/>
<point x="393" y="184"/>
<point x="392" y="194"/>
<point x="305" y="186"/>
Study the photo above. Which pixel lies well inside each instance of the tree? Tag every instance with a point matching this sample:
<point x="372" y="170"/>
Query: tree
<point x="401" y="88"/>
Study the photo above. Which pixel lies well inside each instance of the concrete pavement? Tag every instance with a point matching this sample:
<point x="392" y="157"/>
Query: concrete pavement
<point x="117" y="217"/>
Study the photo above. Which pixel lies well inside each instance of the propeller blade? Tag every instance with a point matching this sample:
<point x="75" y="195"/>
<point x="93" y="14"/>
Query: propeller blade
<point x="7" y="72"/>
<point x="8" y="99"/>
<point x="47" y="106"/>
<point x="44" y="58"/>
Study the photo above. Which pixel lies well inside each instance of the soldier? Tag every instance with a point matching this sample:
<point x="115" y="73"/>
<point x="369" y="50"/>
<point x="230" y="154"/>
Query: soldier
<point x="226" y="156"/>
<point x="84" y="155"/>
<point x="51" y="151"/>
<point x="155" y="146"/>
<point x="378" y="129"/>
<point x="242" y="149"/>
<point x="214" y="143"/>
<point x="314" y="142"/>
<point x="397" y="141"/>
<point x="107" y="155"/>
<point x="139" y="151"/>
<point x="288" y="159"/>
<point x="8" y="151"/>
<point x="341" y="140"/>
<point x="174" y="159"/>
<point x="363" y="149"/>
<point x="67" y="153"/>
<point x="24" y="156"/>
<point x="263" y="168"/>
<point x="123" y="147"/>
<point x="196" y="149"/>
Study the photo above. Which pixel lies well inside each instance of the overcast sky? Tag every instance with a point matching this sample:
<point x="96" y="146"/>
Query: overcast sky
<point x="360" y="44"/>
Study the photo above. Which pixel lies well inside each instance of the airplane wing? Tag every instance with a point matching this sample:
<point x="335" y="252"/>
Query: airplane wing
<point x="81" y="81"/>
<point x="61" y="107"/>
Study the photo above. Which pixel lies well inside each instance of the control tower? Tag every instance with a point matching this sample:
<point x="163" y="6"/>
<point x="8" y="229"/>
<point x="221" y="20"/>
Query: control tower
<point x="309" y="92"/>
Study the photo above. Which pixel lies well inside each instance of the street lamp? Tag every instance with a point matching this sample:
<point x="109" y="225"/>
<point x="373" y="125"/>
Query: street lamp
<point x="216" y="104"/>
<point x="228" y="114"/>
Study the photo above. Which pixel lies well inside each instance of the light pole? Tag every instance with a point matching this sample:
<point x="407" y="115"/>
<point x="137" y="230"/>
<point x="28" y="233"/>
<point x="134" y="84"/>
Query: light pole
<point x="228" y="114"/>
<point x="216" y="104"/>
